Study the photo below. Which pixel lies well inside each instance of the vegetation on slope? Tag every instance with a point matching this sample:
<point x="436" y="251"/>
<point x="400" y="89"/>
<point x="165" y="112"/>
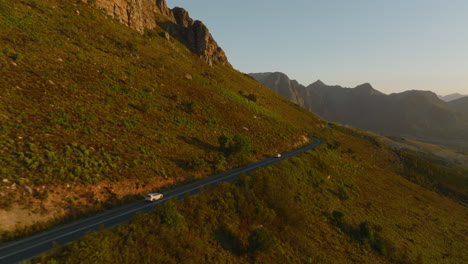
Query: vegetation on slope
<point x="432" y="172"/>
<point x="86" y="100"/>
<point x="341" y="203"/>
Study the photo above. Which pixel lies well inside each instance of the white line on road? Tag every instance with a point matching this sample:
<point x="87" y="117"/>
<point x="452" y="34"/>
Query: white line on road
<point x="264" y="163"/>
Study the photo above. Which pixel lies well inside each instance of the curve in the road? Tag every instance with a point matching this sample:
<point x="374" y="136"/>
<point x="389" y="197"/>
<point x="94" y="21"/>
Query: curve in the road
<point x="29" y="247"/>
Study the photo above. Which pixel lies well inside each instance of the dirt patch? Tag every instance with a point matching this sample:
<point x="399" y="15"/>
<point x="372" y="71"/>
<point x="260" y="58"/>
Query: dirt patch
<point x="302" y="140"/>
<point x="18" y="216"/>
<point x="43" y="203"/>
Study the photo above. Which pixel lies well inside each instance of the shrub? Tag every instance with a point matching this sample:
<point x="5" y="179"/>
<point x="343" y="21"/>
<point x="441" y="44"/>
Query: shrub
<point x="189" y="107"/>
<point x="171" y="217"/>
<point x="240" y="149"/>
<point x="240" y="145"/>
<point x="261" y="239"/>
<point x="197" y="163"/>
<point x="223" y="140"/>
<point x="252" y="97"/>
<point x="343" y="193"/>
<point x="219" y="163"/>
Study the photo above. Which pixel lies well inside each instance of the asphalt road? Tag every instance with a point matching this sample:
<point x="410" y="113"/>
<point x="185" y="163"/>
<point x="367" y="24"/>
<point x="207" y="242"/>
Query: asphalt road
<point x="34" y="245"/>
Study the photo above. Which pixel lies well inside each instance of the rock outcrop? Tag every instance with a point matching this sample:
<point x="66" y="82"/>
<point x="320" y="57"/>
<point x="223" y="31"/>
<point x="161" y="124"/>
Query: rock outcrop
<point x="148" y="14"/>
<point x="136" y="14"/>
<point x="182" y="17"/>
<point x="198" y="37"/>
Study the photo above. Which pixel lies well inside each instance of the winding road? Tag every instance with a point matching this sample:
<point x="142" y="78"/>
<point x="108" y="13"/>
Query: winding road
<point x="34" y="245"/>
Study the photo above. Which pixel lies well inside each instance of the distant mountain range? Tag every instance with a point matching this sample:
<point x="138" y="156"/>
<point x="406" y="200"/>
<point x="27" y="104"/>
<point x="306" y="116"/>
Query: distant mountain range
<point x="417" y="114"/>
<point x="460" y="104"/>
<point x="451" y="97"/>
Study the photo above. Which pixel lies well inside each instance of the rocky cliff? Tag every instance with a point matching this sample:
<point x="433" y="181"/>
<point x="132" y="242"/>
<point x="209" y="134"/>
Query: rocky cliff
<point x="197" y="37"/>
<point x="148" y="14"/>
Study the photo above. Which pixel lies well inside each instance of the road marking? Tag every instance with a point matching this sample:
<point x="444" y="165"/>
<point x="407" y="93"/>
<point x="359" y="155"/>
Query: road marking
<point x="258" y="165"/>
<point x="77" y="230"/>
<point x="125" y="213"/>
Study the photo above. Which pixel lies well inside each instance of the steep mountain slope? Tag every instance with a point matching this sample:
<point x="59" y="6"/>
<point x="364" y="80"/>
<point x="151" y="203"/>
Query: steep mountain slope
<point x="418" y="114"/>
<point x="92" y="111"/>
<point x="149" y="14"/>
<point x="460" y="104"/>
<point x="344" y="202"/>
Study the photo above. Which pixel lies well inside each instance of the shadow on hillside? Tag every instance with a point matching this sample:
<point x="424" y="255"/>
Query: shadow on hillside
<point x="229" y="241"/>
<point x="181" y="164"/>
<point x="198" y="143"/>
<point x="177" y="32"/>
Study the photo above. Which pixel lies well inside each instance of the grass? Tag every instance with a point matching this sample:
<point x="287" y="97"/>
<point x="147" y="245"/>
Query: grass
<point x="421" y="166"/>
<point x="293" y="211"/>
<point x="73" y="86"/>
<point x="81" y="92"/>
<point x="86" y="100"/>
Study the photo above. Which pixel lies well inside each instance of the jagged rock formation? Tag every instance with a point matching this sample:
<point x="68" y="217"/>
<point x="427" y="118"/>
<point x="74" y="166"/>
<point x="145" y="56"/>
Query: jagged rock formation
<point x="137" y="14"/>
<point x="198" y="37"/>
<point x="147" y="14"/>
<point x="182" y="17"/>
<point x="162" y="7"/>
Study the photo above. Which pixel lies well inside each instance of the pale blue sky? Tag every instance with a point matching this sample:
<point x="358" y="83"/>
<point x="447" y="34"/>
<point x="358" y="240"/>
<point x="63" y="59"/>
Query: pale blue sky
<point x="395" y="45"/>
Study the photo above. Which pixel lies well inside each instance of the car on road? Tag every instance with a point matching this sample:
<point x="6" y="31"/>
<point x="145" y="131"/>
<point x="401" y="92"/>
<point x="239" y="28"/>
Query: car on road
<point x="278" y="155"/>
<point x="151" y="197"/>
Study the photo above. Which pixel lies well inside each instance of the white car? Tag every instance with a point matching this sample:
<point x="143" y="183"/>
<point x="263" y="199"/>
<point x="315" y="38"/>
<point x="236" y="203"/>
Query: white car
<point x="277" y="155"/>
<point x="151" y="197"/>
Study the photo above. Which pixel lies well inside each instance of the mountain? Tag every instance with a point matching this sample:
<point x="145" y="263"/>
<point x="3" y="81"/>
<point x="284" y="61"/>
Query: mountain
<point x="461" y="104"/>
<point x="419" y="114"/>
<point x="150" y="14"/>
<point x="110" y="99"/>
<point x="103" y="101"/>
<point x="451" y="97"/>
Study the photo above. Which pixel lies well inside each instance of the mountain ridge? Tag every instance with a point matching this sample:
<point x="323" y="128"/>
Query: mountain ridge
<point x="95" y="114"/>
<point x="411" y="113"/>
<point x="451" y="97"/>
<point x="94" y="108"/>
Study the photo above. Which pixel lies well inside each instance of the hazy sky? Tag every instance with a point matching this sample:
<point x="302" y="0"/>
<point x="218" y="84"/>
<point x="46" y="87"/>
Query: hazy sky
<point x="395" y="45"/>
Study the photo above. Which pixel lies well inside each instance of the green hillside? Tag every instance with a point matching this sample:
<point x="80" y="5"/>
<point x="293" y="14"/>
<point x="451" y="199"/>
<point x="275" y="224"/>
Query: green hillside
<point x="344" y="202"/>
<point x="94" y="114"/>
<point x="92" y="111"/>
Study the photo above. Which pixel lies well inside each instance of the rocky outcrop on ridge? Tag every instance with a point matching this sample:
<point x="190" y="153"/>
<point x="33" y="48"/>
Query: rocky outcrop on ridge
<point x="147" y="14"/>
<point x="136" y="14"/>
<point x="198" y="37"/>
